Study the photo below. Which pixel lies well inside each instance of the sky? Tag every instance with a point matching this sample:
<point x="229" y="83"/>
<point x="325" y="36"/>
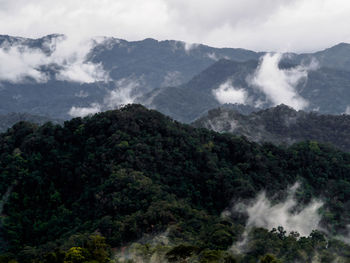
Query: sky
<point x="260" y="25"/>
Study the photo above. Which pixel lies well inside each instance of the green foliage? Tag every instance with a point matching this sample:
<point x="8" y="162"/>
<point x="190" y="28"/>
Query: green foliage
<point x="76" y="255"/>
<point x="269" y="259"/>
<point x="133" y="172"/>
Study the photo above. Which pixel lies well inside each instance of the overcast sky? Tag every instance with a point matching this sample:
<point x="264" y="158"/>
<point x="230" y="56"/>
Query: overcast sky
<point x="269" y="25"/>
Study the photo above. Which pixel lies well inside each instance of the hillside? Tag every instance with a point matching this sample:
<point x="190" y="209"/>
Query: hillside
<point x="134" y="175"/>
<point x="187" y="102"/>
<point x="62" y="78"/>
<point x="281" y="125"/>
<point x="8" y="120"/>
<point x="323" y="89"/>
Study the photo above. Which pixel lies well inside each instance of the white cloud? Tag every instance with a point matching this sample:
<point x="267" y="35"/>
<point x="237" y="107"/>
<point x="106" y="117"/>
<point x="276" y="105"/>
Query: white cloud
<point x="125" y="92"/>
<point x="279" y="85"/>
<point x="18" y="62"/>
<point x="264" y="213"/>
<point x="17" y="65"/>
<point x="347" y="110"/>
<point x="213" y="56"/>
<point x="278" y="25"/>
<point x="227" y="93"/>
<point x="84" y="111"/>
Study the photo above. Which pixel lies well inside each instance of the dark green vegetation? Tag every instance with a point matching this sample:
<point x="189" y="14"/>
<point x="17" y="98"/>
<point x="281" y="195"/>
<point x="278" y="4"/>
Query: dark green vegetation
<point x="281" y="125"/>
<point x="134" y="172"/>
<point x="8" y="120"/>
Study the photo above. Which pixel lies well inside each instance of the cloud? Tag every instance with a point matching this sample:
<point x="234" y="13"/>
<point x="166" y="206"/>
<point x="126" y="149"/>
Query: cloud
<point x="125" y="92"/>
<point x="84" y="111"/>
<point x="264" y="213"/>
<point x="17" y="65"/>
<point x="18" y="62"/>
<point x="279" y="85"/>
<point x="227" y="93"/>
<point x="347" y="110"/>
<point x="292" y="25"/>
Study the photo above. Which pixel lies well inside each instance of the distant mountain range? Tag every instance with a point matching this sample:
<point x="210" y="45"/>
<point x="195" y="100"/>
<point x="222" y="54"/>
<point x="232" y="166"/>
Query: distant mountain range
<point x="173" y="77"/>
<point x="280" y="125"/>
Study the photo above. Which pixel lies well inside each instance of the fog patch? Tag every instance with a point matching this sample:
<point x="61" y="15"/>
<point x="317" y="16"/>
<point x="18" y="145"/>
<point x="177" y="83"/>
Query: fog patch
<point x="347" y="110"/>
<point x="279" y="85"/>
<point x="82" y="94"/>
<point x="85" y="111"/>
<point x="189" y="47"/>
<point x="172" y="78"/>
<point x="66" y="56"/>
<point x="213" y="56"/>
<point x="227" y="93"/>
<point x="145" y="250"/>
<point x="262" y="212"/>
<point x="18" y="64"/>
<point x="125" y="92"/>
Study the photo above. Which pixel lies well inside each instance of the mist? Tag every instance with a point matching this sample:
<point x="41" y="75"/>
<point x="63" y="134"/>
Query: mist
<point x="68" y="55"/>
<point x="125" y="92"/>
<point x="227" y="93"/>
<point x="280" y="85"/>
<point x="264" y="213"/>
<point x="84" y="111"/>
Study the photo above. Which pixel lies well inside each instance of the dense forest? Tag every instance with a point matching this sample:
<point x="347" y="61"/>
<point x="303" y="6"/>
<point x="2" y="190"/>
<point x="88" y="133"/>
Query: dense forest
<point x="9" y="119"/>
<point x="280" y="125"/>
<point x="132" y="185"/>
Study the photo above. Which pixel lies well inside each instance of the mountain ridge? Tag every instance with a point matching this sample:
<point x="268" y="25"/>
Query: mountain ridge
<point x="280" y="125"/>
<point x="133" y="172"/>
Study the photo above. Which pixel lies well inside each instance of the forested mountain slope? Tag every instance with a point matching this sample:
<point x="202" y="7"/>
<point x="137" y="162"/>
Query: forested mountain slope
<point x="281" y="125"/>
<point x="132" y="173"/>
<point x="8" y="120"/>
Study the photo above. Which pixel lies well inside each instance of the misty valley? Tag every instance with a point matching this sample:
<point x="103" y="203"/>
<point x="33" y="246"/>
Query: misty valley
<point x="115" y="151"/>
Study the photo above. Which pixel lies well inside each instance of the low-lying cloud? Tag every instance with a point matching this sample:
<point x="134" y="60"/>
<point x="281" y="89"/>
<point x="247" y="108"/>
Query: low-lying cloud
<point x="279" y="85"/>
<point x="264" y="213"/>
<point x="125" y="92"/>
<point x="17" y="65"/>
<point x="84" y="111"/>
<point x="67" y="57"/>
<point x="227" y="93"/>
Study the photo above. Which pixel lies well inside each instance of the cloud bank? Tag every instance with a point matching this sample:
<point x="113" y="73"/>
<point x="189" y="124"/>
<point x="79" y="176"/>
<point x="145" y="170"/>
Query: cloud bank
<point x="68" y="58"/>
<point x="279" y="85"/>
<point x="264" y="213"/>
<point x="283" y="25"/>
<point x="84" y="111"/>
<point x="227" y="93"/>
<point x="125" y="92"/>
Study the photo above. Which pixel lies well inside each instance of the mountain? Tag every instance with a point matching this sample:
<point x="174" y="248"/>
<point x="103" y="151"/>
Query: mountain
<point x="59" y="77"/>
<point x="325" y="90"/>
<point x="56" y="73"/>
<point x="161" y="63"/>
<point x="8" y="120"/>
<point x="280" y="125"/>
<point x="193" y="99"/>
<point x="152" y="188"/>
<point x="336" y="57"/>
